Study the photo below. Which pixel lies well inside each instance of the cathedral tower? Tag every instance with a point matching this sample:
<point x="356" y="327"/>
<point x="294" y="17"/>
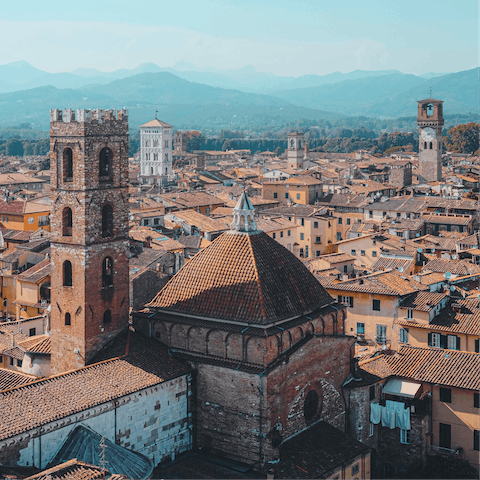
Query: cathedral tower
<point x="295" y="151"/>
<point x="90" y="284"/>
<point x="430" y="122"/>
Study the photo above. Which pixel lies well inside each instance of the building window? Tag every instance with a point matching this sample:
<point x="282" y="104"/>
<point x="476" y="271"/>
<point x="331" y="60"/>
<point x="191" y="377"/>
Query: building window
<point x="31" y="220"/>
<point x="404" y="335"/>
<point x="360" y="328"/>
<point x="107" y="221"/>
<point x="370" y="214"/>
<point x="476" y="440"/>
<point x="362" y="253"/>
<point x="381" y="333"/>
<point x="306" y="251"/>
<point x="317" y="253"/>
<point x="477" y="345"/>
<point x="301" y="253"/>
<point x="404" y="436"/>
<point x="370" y="434"/>
<point x="19" y="363"/>
<point x="67" y="222"/>
<point x="298" y="196"/>
<point x="310" y="405"/>
<point x="286" y="194"/>
<point x="67" y="165"/>
<point x="107" y="273"/>
<point x="67" y="273"/>
<point x="105" y="162"/>
<point x="318" y="239"/>
<point x="476" y="400"/>
<point x="445" y="435"/>
<point x="453" y="342"/>
<point x="374" y="253"/>
<point x="339" y="236"/>
<point x="275" y="195"/>
<point x="32" y="332"/>
<point x="371" y="393"/>
<point x="68" y="319"/>
<point x="302" y="222"/>
<point x="409" y="314"/>
<point x="107" y="316"/>
<point x="445" y="395"/>
<point x="288" y="233"/>
<point x="274" y="235"/>
<point x="355" y="469"/>
<point x="434" y="340"/>
<point x="302" y="236"/>
<point x="281" y="234"/>
<point x="11" y="361"/>
<point x="348" y="221"/>
<point x="353" y="252"/>
<point x="340" y="220"/>
<point x="376" y="305"/>
<point x="315" y="224"/>
<point x="348" y="301"/>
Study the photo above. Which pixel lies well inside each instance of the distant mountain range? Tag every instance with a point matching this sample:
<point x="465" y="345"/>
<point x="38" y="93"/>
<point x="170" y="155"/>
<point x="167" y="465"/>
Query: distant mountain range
<point x="189" y="97"/>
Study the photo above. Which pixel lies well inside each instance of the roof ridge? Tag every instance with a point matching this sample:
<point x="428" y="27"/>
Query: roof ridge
<point x="257" y="279"/>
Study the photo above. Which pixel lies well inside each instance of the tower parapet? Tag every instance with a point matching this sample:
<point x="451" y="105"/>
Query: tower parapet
<point x="82" y="115"/>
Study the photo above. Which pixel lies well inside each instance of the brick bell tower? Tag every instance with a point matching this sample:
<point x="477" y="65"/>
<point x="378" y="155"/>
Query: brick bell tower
<point x="89" y="181"/>
<point x="430" y="122"/>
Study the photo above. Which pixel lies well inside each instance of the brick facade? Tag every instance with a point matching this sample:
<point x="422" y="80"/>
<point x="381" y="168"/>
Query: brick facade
<point x="89" y="176"/>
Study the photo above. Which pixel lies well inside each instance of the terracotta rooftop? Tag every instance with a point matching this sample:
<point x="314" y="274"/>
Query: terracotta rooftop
<point x="37" y="344"/>
<point x="451" y="368"/>
<point x="72" y="470"/>
<point x="422" y="301"/>
<point x="156" y="123"/>
<point x="246" y="277"/>
<point x="147" y="364"/>
<point x="12" y="378"/>
<point x="458" y="267"/>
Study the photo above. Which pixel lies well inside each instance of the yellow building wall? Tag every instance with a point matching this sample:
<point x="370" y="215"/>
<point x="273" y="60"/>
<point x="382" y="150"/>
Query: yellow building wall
<point x="296" y="193"/>
<point x="29" y="225"/>
<point x="366" y="244"/>
<point x="362" y="312"/>
<point x="463" y="418"/>
<point x="13" y="222"/>
<point x="9" y="292"/>
<point x="28" y="293"/>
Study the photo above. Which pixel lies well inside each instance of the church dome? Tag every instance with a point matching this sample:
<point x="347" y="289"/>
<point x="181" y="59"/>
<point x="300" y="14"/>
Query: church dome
<point x="244" y="276"/>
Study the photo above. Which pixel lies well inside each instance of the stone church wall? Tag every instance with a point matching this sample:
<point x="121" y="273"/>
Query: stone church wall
<point x="155" y="422"/>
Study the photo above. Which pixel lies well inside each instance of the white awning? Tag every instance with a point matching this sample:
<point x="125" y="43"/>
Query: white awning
<point x="401" y="388"/>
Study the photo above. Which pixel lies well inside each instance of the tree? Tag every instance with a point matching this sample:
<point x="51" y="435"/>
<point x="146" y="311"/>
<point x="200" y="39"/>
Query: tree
<point x="14" y="148"/>
<point x="195" y="141"/>
<point x="463" y="138"/>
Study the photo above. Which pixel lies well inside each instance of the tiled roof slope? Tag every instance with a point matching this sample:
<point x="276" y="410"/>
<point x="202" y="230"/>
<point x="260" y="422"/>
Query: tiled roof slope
<point x="37" y="344"/>
<point x="458" y="267"/>
<point x="146" y="364"/>
<point x="435" y="365"/>
<point x="12" y="378"/>
<point x="243" y="277"/>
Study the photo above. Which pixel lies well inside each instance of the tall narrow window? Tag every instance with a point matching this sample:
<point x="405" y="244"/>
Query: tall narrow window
<point x="68" y="319"/>
<point x="107" y="316"/>
<point x="67" y="273"/>
<point x="67" y="222"/>
<point x="107" y="272"/>
<point x="107" y="221"/>
<point x="105" y="162"/>
<point x="431" y="145"/>
<point x="68" y="165"/>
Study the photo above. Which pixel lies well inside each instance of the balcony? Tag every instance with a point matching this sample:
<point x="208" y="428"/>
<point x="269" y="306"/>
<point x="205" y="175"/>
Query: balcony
<point x="443" y="451"/>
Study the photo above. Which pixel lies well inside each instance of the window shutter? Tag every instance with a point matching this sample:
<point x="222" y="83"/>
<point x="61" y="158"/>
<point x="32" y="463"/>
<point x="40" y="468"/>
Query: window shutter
<point x="458" y="343"/>
<point x="429" y="339"/>
<point x="443" y="341"/>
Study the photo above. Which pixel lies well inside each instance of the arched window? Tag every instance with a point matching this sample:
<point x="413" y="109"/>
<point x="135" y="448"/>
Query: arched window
<point x="68" y="319"/>
<point x="107" y="221"/>
<point x="310" y="406"/>
<point x="68" y="165"/>
<point x="107" y="316"/>
<point x="105" y="162"/>
<point x="431" y="145"/>
<point x="67" y="273"/>
<point x="67" y="222"/>
<point x="425" y="145"/>
<point x="107" y="273"/>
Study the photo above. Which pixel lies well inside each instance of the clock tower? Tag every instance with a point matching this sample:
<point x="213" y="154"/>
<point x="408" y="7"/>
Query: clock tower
<point x="430" y="122"/>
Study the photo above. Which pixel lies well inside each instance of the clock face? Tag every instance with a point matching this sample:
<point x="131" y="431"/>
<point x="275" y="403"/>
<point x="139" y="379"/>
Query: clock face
<point x="428" y="134"/>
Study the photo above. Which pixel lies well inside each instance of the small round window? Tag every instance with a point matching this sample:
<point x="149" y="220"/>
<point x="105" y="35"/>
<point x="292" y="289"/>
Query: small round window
<point x="310" y="406"/>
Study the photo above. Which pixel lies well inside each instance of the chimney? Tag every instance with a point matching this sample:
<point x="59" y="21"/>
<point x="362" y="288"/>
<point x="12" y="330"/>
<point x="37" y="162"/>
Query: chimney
<point x="148" y="242"/>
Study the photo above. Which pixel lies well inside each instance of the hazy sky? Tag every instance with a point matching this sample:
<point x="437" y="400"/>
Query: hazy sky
<point x="285" y="37"/>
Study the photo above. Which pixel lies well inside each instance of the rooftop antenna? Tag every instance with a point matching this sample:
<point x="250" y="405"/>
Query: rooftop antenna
<point x="156" y="113"/>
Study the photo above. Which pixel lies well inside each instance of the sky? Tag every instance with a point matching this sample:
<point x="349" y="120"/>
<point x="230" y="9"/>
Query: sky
<point x="284" y="37"/>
